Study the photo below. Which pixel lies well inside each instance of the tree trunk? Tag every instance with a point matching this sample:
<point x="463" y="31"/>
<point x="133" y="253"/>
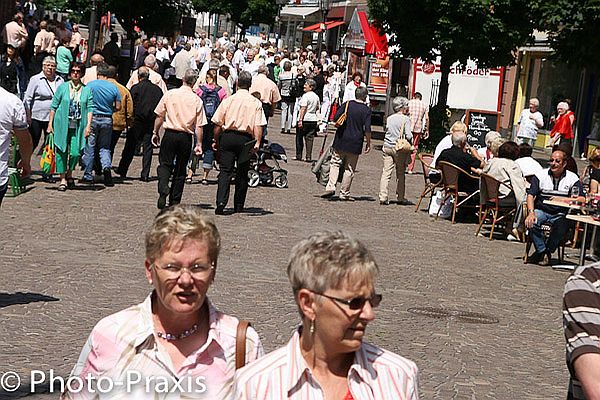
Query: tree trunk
<point x="445" y="65"/>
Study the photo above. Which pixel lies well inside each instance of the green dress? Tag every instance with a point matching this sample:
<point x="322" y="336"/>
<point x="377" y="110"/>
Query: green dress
<point x="60" y="105"/>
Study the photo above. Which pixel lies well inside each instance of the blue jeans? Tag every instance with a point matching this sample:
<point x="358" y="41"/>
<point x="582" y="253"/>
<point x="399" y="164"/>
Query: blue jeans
<point x="100" y="136"/>
<point x="558" y="232"/>
<point x="3" y="190"/>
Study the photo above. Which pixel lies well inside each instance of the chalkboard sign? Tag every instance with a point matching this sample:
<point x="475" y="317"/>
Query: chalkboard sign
<point x="479" y="123"/>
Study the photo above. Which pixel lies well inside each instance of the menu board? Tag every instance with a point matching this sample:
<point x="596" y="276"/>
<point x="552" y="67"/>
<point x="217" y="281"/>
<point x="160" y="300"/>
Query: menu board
<point x="479" y="123"/>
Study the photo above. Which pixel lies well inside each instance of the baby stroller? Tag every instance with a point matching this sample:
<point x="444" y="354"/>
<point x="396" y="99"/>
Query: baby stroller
<point x="261" y="173"/>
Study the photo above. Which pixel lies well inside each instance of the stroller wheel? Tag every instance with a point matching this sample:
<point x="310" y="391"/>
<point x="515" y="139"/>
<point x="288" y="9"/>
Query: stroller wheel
<point x="253" y="178"/>
<point x="281" y="181"/>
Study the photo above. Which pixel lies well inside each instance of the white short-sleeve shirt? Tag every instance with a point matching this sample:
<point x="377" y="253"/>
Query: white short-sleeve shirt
<point x="310" y="100"/>
<point x="12" y="116"/>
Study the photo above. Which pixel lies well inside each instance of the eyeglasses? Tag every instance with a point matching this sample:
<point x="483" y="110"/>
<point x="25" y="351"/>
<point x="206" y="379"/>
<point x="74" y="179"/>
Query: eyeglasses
<point x="49" y="65"/>
<point x="76" y="71"/>
<point x="356" y="303"/>
<point x="174" y="271"/>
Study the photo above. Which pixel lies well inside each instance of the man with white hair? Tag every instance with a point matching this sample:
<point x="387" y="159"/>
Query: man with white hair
<point x="182" y="62"/>
<point x="529" y="123"/>
<point x="269" y="93"/>
<point x="162" y="50"/>
<point x="239" y="59"/>
<point x="224" y="40"/>
<point x="465" y="157"/>
<point x="150" y="62"/>
<point x="252" y="65"/>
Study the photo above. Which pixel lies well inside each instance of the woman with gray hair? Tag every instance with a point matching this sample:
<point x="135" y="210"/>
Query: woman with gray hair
<point x="397" y="126"/>
<point x="38" y="97"/>
<point x="176" y="333"/>
<point x="310" y="107"/>
<point x="333" y="281"/>
<point x="486" y="152"/>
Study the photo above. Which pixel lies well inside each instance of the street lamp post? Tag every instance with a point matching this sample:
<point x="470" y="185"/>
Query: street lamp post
<point x="324" y="8"/>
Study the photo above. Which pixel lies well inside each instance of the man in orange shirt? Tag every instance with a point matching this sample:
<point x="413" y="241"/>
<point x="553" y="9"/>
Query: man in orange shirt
<point x="182" y="113"/>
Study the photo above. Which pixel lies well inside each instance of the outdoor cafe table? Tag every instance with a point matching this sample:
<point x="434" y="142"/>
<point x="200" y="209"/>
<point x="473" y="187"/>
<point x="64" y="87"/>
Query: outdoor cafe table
<point x="565" y="202"/>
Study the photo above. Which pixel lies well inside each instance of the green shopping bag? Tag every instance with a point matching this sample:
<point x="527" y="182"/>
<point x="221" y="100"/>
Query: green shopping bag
<point x="48" y="161"/>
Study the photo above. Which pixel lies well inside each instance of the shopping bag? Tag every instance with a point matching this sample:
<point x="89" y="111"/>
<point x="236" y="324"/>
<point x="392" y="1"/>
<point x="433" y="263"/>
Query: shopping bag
<point x="48" y="160"/>
<point x="437" y="202"/>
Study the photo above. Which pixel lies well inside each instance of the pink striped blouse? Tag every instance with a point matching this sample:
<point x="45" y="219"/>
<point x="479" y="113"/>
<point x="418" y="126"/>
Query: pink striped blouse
<point x="122" y="349"/>
<point x="284" y="374"/>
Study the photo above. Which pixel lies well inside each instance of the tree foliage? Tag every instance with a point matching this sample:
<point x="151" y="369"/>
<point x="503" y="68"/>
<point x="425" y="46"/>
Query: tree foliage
<point x="573" y="29"/>
<point x="487" y="31"/>
<point x="242" y="12"/>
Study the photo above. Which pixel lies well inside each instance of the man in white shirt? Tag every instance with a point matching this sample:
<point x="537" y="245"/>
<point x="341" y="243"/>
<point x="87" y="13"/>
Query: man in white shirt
<point x="529" y="123"/>
<point x="150" y="62"/>
<point x="13" y="119"/>
<point x="182" y="62"/>
<point x="251" y="64"/>
<point x="239" y="56"/>
<point x="224" y="40"/>
<point x="529" y="165"/>
<point x="162" y="51"/>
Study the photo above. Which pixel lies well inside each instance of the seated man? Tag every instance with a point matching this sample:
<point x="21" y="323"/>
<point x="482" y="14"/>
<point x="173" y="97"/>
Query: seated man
<point x="529" y="165"/>
<point x="465" y="157"/>
<point x="552" y="181"/>
<point x="581" y="305"/>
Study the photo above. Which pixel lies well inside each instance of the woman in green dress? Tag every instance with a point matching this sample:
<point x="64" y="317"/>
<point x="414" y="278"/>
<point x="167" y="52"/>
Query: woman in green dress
<point x="70" y="120"/>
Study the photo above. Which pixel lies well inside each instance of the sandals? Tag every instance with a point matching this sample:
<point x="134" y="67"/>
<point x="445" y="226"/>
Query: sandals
<point x="188" y="180"/>
<point x="62" y="187"/>
<point x="204" y="182"/>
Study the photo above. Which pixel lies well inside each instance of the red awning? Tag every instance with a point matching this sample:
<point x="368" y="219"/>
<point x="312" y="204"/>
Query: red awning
<point x="376" y="43"/>
<point x="328" y="25"/>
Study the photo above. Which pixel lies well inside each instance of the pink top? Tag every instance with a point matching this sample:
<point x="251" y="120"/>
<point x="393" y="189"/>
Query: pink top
<point x="123" y="348"/>
<point x="283" y="374"/>
<point x="222" y="92"/>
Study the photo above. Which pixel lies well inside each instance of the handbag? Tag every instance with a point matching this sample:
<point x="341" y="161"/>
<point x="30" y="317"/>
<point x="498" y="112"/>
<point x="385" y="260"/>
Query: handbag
<point x="342" y="118"/>
<point x="402" y="145"/>
<point x="48" y="160"/>
<point x="240" y="344"/>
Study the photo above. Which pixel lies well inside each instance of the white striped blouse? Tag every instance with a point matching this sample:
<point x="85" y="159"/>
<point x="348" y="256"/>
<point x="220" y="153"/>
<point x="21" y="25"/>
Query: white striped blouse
<point x="284" y="374"/>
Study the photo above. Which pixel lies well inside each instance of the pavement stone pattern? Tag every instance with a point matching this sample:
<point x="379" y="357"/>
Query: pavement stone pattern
<point x="69" y="259"/>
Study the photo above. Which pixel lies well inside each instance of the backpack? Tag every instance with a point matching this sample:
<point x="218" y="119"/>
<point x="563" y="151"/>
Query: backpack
<point x="210" y="98"/>
<point x="297" y="88"/>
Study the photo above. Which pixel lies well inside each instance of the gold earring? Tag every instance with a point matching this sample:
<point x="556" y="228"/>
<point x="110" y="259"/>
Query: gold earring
<point x="311" y="329"/>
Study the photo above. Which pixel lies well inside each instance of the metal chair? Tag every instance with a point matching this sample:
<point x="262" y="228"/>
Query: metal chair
<point x="490" y="203"/>
<point x="450" y="175"/>
<point x="426" y="159"/>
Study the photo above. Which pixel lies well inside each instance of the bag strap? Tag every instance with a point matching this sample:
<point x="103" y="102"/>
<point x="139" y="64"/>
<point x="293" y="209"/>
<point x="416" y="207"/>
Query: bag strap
<point x="240" y="344"/>
<point x="346" y="108"/>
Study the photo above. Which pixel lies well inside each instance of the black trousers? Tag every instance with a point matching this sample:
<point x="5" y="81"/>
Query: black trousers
<point x="113" y="142"/>
<point x="307" y="133"/>
<point x="141" y="131"/>
<point x="173" y="158"/>
<point x="231" y="144"/>
<point x="35" y="130"/>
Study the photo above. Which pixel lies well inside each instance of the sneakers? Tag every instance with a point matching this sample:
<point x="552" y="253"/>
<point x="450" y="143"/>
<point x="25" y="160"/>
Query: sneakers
<point x="108" y="181"/>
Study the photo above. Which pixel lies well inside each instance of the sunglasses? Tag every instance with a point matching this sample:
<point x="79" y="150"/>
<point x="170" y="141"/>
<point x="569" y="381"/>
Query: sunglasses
<point x="555" y="161"/>
<point x="76" y="71"/>
<point x="356" y="303"/>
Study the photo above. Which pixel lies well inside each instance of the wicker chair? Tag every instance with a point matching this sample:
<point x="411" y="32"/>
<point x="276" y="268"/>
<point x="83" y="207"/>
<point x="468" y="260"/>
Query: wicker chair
<point x="428" y="189"/>
<point x="450" y="175"/>
<point x="490" y="203"/>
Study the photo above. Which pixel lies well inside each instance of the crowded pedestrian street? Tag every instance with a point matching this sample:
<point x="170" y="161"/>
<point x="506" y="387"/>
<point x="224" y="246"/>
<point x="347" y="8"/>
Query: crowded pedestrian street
<point x="70" y="259"/>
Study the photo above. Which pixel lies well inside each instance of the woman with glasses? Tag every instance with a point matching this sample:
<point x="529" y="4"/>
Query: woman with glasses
<point x="176" y="333"/>
<point x="333" y="280"/>
<point x="70" y="121"/>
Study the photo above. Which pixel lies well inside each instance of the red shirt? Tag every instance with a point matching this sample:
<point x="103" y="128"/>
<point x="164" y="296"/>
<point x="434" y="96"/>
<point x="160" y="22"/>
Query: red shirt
<point x="563" y="126"/>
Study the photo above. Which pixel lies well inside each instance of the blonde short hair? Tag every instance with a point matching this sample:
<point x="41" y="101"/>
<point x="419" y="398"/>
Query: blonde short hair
<point x="495" y="145"/>
<point x="327" y="260"/>
<point x="594" y="157"/>
<point x="458" y="126"/>
<point x="178" y="223"/>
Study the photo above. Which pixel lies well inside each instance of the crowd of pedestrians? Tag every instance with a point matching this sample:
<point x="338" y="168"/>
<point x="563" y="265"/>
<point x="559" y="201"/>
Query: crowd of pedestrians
<point x="193" y="99"/>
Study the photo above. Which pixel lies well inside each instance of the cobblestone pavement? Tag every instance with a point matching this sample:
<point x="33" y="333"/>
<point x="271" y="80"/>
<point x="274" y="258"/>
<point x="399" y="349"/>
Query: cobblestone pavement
<point x="69" y="259"/>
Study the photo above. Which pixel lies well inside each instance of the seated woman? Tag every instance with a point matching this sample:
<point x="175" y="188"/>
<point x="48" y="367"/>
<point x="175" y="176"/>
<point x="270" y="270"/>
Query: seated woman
<point x="176" y="334"/>
<point x="486" y="152"/>
<point x="333" y="279"/>
<point x="594" y="170"/>
<point x="504" y="168"/>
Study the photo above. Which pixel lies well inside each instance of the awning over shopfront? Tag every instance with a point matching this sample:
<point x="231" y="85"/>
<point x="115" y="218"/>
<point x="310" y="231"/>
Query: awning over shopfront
<point x="363" y="36"/>
<point x="376" y="43"/>
<point x="328" y="25"/>
<point x="298" y="11"/>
